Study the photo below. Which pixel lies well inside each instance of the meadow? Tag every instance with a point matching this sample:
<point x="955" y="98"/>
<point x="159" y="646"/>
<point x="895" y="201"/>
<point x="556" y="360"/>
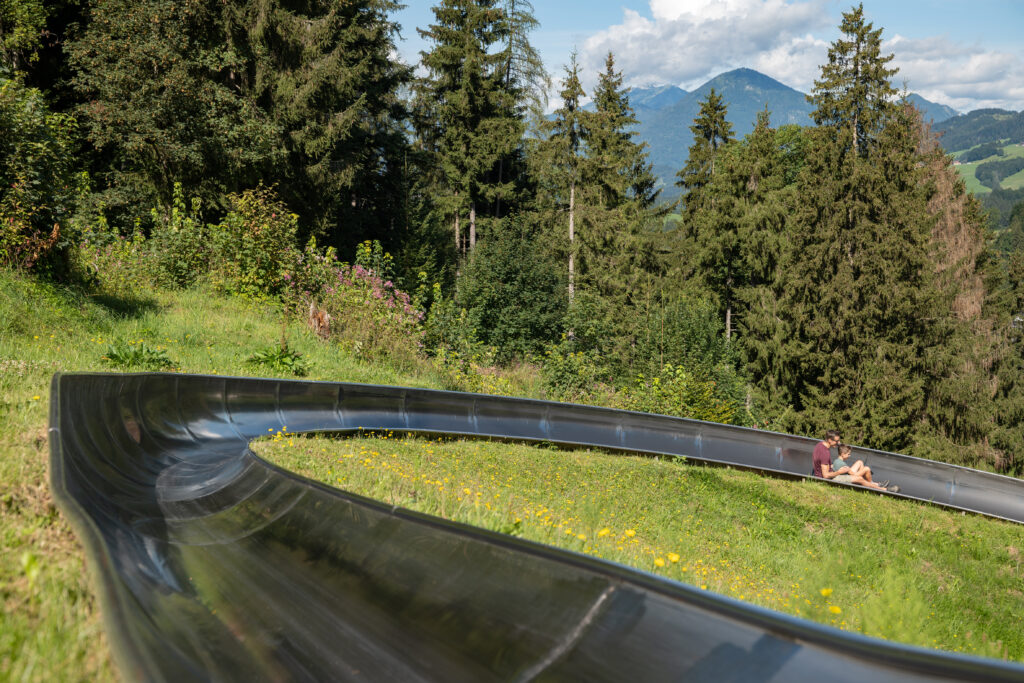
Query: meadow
<point x="859" y="562"/>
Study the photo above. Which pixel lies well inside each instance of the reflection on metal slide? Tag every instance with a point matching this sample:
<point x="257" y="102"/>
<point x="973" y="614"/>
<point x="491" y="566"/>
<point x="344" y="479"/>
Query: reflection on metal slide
<point x="214" y="565"/>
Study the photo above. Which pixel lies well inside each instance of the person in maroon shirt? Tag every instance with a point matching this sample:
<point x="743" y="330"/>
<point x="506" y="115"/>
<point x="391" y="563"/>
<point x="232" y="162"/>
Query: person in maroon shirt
<point x="822" y="460"/>
<point x="823" y="456"/>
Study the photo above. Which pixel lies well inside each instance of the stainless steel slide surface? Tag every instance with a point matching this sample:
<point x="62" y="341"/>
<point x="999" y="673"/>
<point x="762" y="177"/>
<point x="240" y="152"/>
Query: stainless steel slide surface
<point x="214" y="565"/>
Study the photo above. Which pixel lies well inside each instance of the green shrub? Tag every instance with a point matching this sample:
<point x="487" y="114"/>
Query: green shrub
<point x="675" y="391"/>
<point x="514" y="292"/>
<point x="136" y="356"/>
<point x="570" y="374"/>
<point x="254" y="247"/>
<point x="180" y="242"/>
<point x="36" y="183"/>
<point x="280" y="358"/>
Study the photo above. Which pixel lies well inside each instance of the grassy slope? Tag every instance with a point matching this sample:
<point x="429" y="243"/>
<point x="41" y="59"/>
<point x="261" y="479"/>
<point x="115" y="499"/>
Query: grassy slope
<point x="1013" y="182"/>
<point x="853" y="559"/>
<point x="50" y="628"/>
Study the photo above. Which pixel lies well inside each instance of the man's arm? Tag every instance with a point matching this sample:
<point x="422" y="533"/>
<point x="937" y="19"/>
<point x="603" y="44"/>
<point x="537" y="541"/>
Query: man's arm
<point x="827" y="473"/>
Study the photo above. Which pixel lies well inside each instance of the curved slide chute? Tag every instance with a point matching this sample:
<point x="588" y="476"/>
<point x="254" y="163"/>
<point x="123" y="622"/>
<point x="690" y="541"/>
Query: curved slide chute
<point x="215" y="565"/>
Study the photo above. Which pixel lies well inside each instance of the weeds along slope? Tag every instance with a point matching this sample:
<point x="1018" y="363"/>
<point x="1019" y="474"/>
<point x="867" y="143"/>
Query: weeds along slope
<point x="854" y="560"/>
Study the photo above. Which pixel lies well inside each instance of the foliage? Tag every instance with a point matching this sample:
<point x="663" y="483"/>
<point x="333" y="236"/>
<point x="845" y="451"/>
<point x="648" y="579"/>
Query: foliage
<point x="280" y="358"/>
<point x="36" y="182"/>
<point x="675" y="391"/>
<point x="22" y="23"/>
<point x="989" y="149"/>
<point x="253" y="248"/>
<point x="137" y="355"/>
<point x="180" y="242"/>
<point x="570" y="374"/>
<point x="354" y="305"/>
<point x="514" y="304"/>
<point x="161" y="102"/>
<point x="371" y="256"/>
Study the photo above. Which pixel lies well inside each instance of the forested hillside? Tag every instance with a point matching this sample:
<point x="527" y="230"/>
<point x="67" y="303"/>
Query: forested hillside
<point x="829" y="272"/>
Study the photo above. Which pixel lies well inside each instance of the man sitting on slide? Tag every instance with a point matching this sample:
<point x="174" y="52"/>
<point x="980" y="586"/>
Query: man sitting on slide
<point x="823" y="464"/>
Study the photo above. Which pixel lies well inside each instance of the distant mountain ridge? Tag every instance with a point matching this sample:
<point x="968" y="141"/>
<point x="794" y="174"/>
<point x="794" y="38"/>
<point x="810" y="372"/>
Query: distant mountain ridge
<point x="666" y="113"/>
<point x="979" y="127"/>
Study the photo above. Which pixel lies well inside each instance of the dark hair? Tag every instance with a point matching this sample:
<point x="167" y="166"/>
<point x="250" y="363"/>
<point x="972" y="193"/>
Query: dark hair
<point x="844" y="448"/>
<point x="832" y="434"/>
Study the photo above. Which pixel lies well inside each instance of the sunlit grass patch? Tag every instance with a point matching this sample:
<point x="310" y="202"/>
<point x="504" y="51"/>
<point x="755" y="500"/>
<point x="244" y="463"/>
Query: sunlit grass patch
<point x="854" y="560"/>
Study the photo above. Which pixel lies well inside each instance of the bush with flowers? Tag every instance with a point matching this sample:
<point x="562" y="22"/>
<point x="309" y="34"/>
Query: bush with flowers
<point x="356" y="306"/>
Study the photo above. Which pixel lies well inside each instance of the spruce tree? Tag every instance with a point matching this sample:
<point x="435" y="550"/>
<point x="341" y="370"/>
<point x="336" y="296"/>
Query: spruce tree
<point x="467" y="103"/>
<point x="709" y="244"/>
<point x="854" y="96"/>
<point x="325" y="74"/>
<point x="711" y="133"/>
<point x="617" y="258"/>
<point x="860" y="299"/>
<point x="162" y="104"/>
<point x="563" y="160"/>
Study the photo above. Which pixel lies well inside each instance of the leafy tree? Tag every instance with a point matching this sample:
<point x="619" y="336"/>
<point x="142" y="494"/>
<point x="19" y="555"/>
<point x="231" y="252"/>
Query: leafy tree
<point x="513" y="303"/>
<point x="22" y="23"/>
<point x="37" y="187"/>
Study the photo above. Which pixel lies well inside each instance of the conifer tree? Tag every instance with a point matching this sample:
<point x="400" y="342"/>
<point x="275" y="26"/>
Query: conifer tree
<point x="860" y="300"/>
<point x="616" y="244"/>
<point x="325" y="74"/>
<point x="854" y="96"/>
<point x="711" y="133"/>
<point x="468" y="102"/>
<point x="563" y="158"/>
<point x="710" y="241"/>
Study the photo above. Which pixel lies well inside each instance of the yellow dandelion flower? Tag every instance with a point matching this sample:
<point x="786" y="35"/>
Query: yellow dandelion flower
<point x="673" y="557"/>
<point x="658" y="562"/>
<point x="834" y="609"/>
<point x="630" y="532"/>
<point x="582" y="537"/>
<point x="35" y="398"/>
<point x="604" y="532"/>
<point x="825" y="592"/>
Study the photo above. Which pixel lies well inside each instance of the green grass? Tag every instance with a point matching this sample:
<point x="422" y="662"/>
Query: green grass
<point x="967" y="171"/>
<point x="50" y="627"/>
<point x="769" y="541"/>
<point x="852" y="559"/>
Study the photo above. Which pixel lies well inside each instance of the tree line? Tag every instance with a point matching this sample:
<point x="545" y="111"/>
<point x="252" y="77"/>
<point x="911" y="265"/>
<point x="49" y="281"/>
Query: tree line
<point x="809" y="277"/>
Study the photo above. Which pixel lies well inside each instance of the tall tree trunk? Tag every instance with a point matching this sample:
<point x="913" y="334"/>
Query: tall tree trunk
<point x="728" y="322"/>
<point x="572" y="239"/>
<point x="472" y="225"/>
<point x="458" y="240"/>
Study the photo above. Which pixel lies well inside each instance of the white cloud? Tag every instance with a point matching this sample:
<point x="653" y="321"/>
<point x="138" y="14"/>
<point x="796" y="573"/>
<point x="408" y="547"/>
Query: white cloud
<point x="689" y="41"/>
<point x="962" y="76"/>
<point x="686" y="42"/>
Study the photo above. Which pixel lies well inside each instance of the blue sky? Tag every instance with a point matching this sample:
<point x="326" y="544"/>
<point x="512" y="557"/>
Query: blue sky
<point x="964" y="54"/>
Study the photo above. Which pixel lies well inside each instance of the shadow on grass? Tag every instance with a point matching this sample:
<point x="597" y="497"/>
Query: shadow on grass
<point x="126" y="306"/>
